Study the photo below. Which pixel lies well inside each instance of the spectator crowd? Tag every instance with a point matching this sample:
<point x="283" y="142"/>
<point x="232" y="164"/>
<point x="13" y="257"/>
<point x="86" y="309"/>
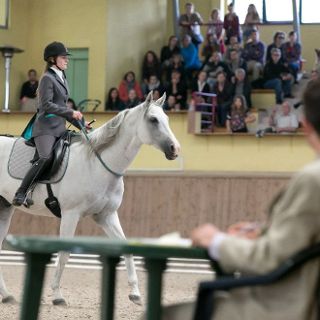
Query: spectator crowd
<point x="228" y="61"/>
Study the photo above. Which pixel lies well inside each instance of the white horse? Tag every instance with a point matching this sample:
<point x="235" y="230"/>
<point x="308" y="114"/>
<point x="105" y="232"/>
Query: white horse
<point x="87" y="188"/>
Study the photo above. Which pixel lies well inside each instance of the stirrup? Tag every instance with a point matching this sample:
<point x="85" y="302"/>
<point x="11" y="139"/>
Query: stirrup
<point x="28" y="202"/>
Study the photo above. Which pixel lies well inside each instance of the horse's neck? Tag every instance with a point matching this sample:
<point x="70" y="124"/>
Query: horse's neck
<point x="120" y="154"/>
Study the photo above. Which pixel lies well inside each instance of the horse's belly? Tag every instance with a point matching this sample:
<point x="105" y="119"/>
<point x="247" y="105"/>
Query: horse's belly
<point x="37" y="211"/>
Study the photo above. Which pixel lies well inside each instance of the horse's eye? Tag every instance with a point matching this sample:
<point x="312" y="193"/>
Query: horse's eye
<point x="154" y="120"/>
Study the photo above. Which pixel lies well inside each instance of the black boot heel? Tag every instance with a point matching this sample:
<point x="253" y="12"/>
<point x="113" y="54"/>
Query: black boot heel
<point x="18" y="199"/>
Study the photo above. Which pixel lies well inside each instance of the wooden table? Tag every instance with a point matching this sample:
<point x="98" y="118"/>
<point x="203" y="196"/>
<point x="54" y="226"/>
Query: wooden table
<point x="38" y="252"/>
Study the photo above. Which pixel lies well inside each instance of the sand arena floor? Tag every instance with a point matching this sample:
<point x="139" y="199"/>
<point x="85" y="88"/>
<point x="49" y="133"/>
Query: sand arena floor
<point x="81" y="288"/>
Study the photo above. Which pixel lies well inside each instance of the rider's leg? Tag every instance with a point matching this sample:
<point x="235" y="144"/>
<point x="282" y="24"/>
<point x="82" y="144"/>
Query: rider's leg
<point x="44" y="146"/>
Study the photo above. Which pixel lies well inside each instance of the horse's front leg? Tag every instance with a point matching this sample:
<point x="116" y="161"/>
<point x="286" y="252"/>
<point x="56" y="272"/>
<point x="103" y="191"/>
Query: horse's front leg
<point x="111" y="225"/>
<point x="68" y="225"/>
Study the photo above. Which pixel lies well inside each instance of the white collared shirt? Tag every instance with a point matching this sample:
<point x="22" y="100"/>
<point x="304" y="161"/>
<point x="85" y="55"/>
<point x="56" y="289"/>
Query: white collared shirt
<point x="59" y="73"/>
<point x="215" y="244"/>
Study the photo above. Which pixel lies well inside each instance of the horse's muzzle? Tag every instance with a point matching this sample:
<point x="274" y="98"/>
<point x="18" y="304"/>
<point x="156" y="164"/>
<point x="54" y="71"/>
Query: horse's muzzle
<point x="171" y="151"/>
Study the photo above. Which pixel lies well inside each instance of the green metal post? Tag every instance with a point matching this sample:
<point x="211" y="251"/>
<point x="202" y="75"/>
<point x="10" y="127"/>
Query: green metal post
<point x="108" y="286"/>
<point x="36" y="267"/>
<point x="155" y="269"/>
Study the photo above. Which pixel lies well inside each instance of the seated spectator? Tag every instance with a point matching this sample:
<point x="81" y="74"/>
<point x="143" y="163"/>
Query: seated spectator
<point x="171" y="104"/>
<point x="292" y="54"/>
<point x="190" y="55"/>
<point x="224" y="91"/>
<point x="150" y="65"/>
<point x="214" y="66"/>
<point x="278" y="41"/>
<point x="113" y="101"/>
<point x="200" y="84"/>
<point x="177" y="88"/>
<point x="190" y="23"/>
<point x="29" y="92"/>
<point x="129" y="82"/>
<point x="231" y="24"/>
<point x="234" y="44"/>
<point x="253" y="53"/>
<point x="277" y="76"/>
<point x="236" y="62"/>
<point x="133" y="99"/>
<point x="239" y="117"/>
<point x="284" y="122"/>
<point x="168" y="51"/>
<point x="176" y="63"/>
<point x="210" y="45"/>
<point x="71" y="104"/>
<point x="153" y="84"/>
<point x="242" y="86"/>
<point x="251" y="22"/>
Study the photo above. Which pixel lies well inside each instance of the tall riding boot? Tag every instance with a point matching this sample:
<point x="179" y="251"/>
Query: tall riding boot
<point x="32" y="175"/>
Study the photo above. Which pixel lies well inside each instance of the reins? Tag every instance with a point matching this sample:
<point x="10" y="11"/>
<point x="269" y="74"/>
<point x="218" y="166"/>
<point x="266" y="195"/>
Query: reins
<point x="97" y="154"/>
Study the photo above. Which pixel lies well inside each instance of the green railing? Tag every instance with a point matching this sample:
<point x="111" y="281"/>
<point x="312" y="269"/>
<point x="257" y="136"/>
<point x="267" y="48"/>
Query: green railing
<point x="38" y="252"/>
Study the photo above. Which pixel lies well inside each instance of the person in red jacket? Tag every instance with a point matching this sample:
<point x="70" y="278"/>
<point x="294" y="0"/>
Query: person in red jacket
<point x="129" y="82"/>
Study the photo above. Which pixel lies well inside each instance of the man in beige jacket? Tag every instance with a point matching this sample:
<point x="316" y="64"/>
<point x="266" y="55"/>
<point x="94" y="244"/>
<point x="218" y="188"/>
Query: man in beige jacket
<point x="294" y="224"/>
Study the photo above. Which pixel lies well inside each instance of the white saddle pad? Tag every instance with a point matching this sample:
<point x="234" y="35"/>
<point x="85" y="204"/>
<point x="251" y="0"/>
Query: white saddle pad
<point x="19" y="162"/>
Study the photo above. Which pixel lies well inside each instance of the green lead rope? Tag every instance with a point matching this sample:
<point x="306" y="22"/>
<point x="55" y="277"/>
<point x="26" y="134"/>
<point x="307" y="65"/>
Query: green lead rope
<point x="97" y="154"/>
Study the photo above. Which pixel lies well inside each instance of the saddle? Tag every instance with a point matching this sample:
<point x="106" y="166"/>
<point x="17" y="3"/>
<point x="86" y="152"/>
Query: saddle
<point x="24" y="154"/>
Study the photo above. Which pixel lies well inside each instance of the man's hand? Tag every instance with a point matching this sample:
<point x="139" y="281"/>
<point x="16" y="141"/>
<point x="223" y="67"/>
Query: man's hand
<point x="203" y="235"/>
<point x="244" y="229"/>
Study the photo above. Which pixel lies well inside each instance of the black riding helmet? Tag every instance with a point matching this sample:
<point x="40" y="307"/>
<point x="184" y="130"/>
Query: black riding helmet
<point x="55" y="49"/>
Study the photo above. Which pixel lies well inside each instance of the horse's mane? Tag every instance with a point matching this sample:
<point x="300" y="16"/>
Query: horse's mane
<point x="105" y="135"/>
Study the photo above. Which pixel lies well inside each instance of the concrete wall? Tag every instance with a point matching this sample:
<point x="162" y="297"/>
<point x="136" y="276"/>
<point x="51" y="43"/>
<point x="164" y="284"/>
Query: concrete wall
<point x="133" y="28"/>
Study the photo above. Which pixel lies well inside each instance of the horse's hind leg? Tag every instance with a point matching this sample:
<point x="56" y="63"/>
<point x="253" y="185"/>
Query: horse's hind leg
<point x="6" y="212"/>
<point x="68" y="227"/>
<point x="111" y="225"/>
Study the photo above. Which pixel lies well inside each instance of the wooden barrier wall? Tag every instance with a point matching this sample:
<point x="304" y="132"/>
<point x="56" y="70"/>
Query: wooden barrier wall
<point x="159" y="203"/>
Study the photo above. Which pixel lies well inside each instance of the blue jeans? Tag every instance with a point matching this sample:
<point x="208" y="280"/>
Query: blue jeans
<point x="222" y="112"/>
<point x="294" y="69"/>
<point x="279" y="86"/>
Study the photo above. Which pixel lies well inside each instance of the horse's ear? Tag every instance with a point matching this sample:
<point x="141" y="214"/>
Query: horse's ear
<point x="148" y="100"/>
<point x="161" y="100"/>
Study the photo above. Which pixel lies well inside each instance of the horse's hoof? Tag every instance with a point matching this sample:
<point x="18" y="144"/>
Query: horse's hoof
<point x="135" y="299"/>
<point x="59" y="302"/>
<point x="9" y="300"/>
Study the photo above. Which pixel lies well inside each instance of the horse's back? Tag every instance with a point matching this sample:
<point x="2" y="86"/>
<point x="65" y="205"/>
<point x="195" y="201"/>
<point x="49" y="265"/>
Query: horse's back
<point x="6" y="144"/>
